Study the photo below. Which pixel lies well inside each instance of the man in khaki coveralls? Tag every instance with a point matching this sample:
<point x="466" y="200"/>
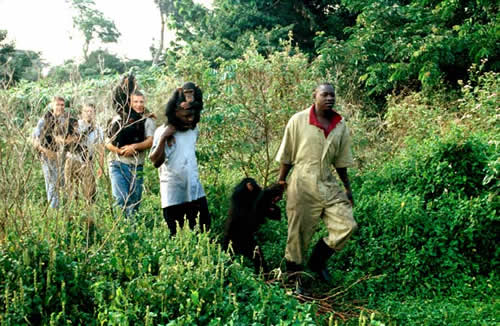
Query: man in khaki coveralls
<point x="314" y="140"/>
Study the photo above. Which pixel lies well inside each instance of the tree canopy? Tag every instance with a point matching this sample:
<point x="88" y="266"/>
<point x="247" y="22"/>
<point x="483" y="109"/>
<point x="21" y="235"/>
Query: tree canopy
<point x="92" y="23"/>
<point x="226" y="30"/>
<point x="16" y="64"/>
<point x="418" y="44"/>
<point x="374" y="47"/>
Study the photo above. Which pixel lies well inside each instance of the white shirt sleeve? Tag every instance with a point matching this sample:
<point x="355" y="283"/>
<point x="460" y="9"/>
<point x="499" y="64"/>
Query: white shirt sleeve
<point x="156" y="140"/>
<point x="38" y="129"/>
<point x="149" y="127"/>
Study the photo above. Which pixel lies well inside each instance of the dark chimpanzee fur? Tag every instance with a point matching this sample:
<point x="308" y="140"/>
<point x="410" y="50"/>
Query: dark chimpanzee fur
<point x="178" y="98"/>
<point x="129" y="129"/>
<point x="250" y="205"/>
<point x="122" y="93"/>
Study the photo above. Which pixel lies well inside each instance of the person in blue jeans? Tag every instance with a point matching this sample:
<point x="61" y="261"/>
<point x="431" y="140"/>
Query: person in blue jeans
<point x="49" y="137"/>
<point x="130" y="135"/>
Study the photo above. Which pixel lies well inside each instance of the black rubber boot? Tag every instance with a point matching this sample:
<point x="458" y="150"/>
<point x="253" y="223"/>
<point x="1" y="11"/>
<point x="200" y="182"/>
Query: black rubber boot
<point x="319" y="257"/>
<point x="295" y="276"/>
<point x="292" y="267"/>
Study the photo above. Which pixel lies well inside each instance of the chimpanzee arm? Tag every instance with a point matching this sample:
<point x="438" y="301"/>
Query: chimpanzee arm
<point x="266" y="203"/>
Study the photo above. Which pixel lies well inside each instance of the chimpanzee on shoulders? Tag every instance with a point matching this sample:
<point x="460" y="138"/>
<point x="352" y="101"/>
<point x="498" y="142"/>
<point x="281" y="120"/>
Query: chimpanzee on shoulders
<point x="189" y="97"/>
<point x="250" y="205"/>
<point x="122" y="94"/>
<point x="127" y="126"/>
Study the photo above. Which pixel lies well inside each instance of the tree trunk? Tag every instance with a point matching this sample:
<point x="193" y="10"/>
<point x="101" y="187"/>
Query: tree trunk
<point x="160" y="49"/>
<point x="86" y="50"/>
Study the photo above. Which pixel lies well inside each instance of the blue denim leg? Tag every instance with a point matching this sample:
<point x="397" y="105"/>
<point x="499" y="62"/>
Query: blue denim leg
<point x="126" y="185"/>
<point x="135" y="190"/>
<point x="53" y="181"/>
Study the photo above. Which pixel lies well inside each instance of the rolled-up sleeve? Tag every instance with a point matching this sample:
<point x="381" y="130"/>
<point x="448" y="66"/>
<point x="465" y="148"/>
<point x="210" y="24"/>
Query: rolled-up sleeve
<point x="286" y="151"/>
<point x="156" y="138"/>
<point x="344" y="157"/>
<point x="149" y="126"/>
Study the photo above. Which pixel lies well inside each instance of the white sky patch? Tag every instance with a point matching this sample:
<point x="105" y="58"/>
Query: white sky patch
<point x="46" y="26"/>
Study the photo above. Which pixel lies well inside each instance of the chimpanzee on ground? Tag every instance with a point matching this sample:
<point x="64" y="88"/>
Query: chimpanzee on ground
<point x="250" y="205"/>
<point x="189" y="96"/>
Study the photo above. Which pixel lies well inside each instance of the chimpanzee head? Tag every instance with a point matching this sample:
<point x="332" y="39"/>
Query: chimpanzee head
<point x="129" y="84"/>
<point x="246" y="191"/>
<point x="187" y="97"/>
<point x="192" y="94"/>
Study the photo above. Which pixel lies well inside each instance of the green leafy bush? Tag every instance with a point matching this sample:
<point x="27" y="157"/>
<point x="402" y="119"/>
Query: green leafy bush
<point x="135" y="275"/>
<point x="426" y="219"/>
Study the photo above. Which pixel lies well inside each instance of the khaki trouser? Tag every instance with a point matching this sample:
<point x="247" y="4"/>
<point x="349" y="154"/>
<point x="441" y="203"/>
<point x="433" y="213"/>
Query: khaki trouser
<point x="78" y="174"/>
<point x="304" y="216"/>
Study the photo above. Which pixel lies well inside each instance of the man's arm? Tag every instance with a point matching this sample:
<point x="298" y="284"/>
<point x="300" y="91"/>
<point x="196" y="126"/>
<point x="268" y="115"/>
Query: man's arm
<point x="47" y="152"/>
<point x="284" y="170"/>
<point x="286" y="153"/>
<point x="132" y="149"/>
<point x="342" y="172"/>
<point x="157" y="156"/>
<point x="112" y="148"/>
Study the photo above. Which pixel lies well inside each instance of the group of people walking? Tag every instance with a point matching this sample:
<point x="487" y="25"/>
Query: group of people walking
<point x="315" y="140"/>
<point x="67" y="148"/>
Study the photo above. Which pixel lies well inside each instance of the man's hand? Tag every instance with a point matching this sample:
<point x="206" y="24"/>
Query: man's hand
<point x="168" y="135"/>
<point x="283" y="185"/>
<point x="72" y="139"/>
<point x="51" y="155"/>
<point x="342" y="172"/>
<point x="349" y="196"/>
<point x="128" y="150"/>
<point x="60" y="140"/>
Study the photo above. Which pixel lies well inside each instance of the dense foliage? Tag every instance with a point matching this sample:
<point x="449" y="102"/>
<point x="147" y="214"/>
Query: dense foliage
<point x="418" y="44"/>
<point x="430" y="215"/>
<point x="378" y="47"/>
<point x="427" y="212"/>
<point x="137" y="275"/>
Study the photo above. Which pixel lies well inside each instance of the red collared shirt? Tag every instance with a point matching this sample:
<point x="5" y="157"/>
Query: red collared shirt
<point x="313" y="120"/>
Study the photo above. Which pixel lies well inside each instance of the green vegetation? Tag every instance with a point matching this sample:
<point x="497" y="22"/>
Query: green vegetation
<point x="425" y="184"/>
<point x="17" y="64"/>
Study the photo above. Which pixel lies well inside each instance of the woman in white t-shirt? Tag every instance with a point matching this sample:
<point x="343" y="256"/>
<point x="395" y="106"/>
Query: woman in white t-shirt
<point x="173" y="152"/>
